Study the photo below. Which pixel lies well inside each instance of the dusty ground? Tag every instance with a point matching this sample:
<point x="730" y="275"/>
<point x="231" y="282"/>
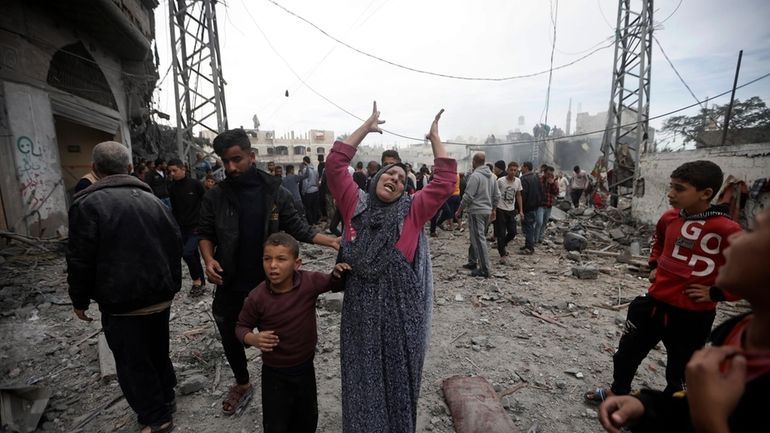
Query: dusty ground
<point x="480" y="327"/>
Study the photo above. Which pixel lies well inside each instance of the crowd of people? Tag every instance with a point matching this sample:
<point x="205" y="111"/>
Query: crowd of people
<point x="130" y="228"/>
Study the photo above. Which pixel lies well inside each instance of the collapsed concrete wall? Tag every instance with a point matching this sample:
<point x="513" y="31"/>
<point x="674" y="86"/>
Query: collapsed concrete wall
<point x="747" y="162"/>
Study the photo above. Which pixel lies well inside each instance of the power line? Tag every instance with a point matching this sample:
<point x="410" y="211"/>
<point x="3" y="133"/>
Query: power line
<point x="682" y="79"/>
<point x="554" y="17"/>
<point x="672" y="13"/>
<point x="437" y="74"/>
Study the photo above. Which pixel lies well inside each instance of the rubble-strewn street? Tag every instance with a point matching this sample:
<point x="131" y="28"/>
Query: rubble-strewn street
<point x="536" y="323"/>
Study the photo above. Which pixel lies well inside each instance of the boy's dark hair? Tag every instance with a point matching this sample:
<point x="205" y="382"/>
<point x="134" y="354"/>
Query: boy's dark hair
<point x="176" y="162"/>
<point x="320" y="158"/>
<point x="360" y="165"/>
<point x="389" y="153"/>
<point x="500" y="165"/>
<point x="285" y="240"/>
<point x="306" y="159"/>
<point x="159" y="161"/>
<point x="701" y="174"/>
<point x="576" y="169"/>
<point x="289" y="169"/>
<point x="513" y="164"/>
<point x="230" y="138"/>
<point x="527" y="164"/>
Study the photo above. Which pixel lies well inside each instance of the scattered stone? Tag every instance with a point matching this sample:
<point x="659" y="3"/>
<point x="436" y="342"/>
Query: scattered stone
<point x="575" y="242"/>
<point x="558" y="215"/>
<point x="579" y="375"/>
<point x="458" y="297"/>
<point x="585" y="272"/>
<point x="617" y="234"/>
<point x="574" y="256"/>
<point x="563" y="205"/>
<point x="635" y="249"/>
<point x="192" y="384"/>
<point x="479" y="340"/>
<point x="14" y="372"/>
<point x="590" y="413"/>
<point x="333" y="301"/>
<point x="589" y="212"/>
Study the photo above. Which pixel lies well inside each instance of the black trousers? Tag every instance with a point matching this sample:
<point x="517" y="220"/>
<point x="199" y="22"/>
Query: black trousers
<point x="312" y="207"/>
<point x="505" y="229"/>
<point x="145" y="373"/>
<point x="289" y="399"/>
<point x="650" y="321"/>
<point x="226" y="308"/>
<point x="575" y="196"/>
<point x="191" y="256"/>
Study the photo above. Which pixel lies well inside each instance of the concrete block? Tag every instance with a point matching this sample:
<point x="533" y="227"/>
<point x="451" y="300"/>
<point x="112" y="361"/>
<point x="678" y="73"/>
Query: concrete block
<point x="585" y="272"/>
<point x="332" y="301"/>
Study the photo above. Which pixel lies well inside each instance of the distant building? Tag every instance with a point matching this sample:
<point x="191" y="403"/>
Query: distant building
<point x="290" y="148"/>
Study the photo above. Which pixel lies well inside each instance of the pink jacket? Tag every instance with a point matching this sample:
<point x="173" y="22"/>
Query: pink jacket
<point x="425" y="202"/>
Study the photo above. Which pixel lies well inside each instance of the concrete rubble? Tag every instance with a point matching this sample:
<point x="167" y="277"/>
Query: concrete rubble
<point x="533" y="327"/>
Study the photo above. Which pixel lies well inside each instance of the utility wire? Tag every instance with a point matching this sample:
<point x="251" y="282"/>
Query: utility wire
<point x="437" y="74"/>
<point x="672" y="13"/>
<point x="682" y="80"/>
<point x="554" y="17"/>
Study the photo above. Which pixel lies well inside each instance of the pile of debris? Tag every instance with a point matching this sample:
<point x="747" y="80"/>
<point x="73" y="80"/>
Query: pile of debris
<point x="591" y="233"/>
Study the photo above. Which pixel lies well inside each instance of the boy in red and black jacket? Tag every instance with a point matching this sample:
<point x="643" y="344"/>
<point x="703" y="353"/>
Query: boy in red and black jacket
<point x="680" y="306"/>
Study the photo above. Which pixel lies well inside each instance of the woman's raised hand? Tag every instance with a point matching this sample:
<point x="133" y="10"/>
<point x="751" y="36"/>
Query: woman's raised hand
<point x="373" y="122"/>
<point x="433" y="134"/>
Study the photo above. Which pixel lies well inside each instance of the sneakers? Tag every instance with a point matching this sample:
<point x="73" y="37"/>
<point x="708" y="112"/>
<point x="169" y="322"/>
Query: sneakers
<point x="470" y="266"/>
<point x="433" y="234"/>
<point x="526" y="252"/>
<point x="197" y="290"/>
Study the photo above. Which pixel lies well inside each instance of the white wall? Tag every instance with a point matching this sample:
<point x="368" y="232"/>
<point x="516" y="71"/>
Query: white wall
<point x="746" y="162"/>
<point x="36" y="156"/>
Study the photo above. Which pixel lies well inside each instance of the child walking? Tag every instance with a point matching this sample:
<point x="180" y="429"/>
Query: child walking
<point x="679" y="308"/>
<point x="282" y="309"/>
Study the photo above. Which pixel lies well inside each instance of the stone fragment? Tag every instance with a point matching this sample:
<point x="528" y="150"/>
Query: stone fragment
<point x="563" y="205"/>
<point x="192" y="384"/>
<point x="617" y="234"/>
<point x="458" y="297"/>
<point x="558" y="214"/>
<point x="333" y="301"/>
<point x="585" y="272"/>
<point x="574" y="256"/>
<point x="575" y="242"/>
<point x="589" y="212"/>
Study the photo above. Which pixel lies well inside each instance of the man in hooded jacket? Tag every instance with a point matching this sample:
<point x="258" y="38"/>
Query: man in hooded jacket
<point x="480" y="200"/>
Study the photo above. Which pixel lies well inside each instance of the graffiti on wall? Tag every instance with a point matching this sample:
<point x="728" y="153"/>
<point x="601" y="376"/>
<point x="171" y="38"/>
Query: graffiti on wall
<point x="36" y="184"/>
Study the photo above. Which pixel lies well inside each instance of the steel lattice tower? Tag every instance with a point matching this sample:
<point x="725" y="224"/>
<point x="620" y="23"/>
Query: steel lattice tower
<point x="625" y="137"/>
<point x="199" y="88"/>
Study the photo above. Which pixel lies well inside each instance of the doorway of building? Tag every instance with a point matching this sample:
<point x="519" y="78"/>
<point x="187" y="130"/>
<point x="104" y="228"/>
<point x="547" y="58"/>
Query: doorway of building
<point x="76" y="142"/>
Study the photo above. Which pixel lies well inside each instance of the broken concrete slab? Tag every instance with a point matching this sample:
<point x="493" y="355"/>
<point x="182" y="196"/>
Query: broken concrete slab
<point x="585" y="272"/>
<point x="558" y="214"/>
<point x="22" y="406"/>
<point x="617" y="234"/>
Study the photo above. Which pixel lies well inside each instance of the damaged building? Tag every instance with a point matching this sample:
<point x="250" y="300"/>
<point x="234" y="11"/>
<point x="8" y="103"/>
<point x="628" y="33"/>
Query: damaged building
<point x="72" y="74"/>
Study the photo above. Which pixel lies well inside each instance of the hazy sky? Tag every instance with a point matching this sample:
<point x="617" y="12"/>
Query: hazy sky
<point x="489" y="38"/>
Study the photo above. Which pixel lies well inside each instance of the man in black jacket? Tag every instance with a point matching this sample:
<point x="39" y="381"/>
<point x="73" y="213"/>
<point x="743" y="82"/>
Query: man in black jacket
<point x="186" y="195"/>
<point x="236" y="218"/>
<point x="156" y="179"/>
<point x="532" y="196"/>
<point x="124" y="252"/>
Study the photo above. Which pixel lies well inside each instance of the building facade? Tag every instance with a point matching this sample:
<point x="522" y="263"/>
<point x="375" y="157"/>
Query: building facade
<point x="73" y="74"/>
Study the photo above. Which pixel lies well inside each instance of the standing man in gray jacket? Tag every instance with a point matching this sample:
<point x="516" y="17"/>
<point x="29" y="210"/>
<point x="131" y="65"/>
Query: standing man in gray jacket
<point x="480" y="200"/>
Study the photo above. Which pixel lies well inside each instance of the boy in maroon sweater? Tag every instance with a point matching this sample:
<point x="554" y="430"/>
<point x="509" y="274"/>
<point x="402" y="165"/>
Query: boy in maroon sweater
<point x="282" y="309"/>
<point x="679" y="308"/>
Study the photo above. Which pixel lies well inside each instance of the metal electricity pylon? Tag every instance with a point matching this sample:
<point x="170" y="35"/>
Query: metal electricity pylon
<point x="199" y="88"/>
<point x="626" y="135"/>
